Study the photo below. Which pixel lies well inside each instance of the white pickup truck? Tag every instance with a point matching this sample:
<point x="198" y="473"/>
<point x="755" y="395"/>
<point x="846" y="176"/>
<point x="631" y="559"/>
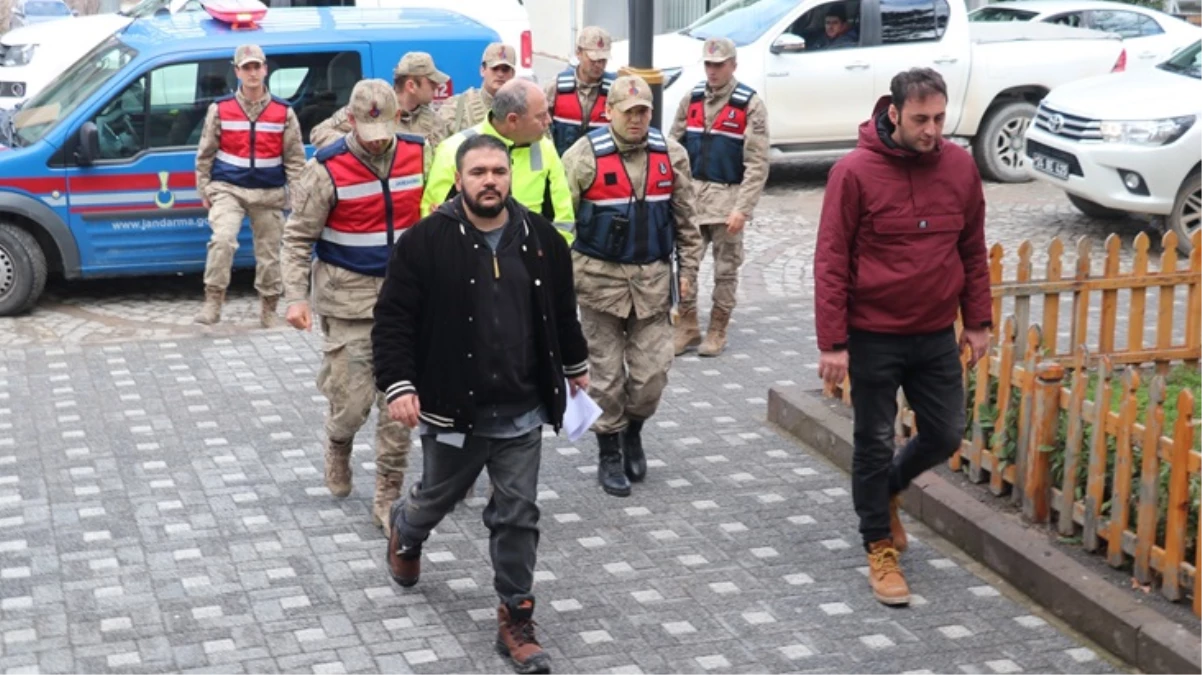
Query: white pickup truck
<point x="817" y="95"/>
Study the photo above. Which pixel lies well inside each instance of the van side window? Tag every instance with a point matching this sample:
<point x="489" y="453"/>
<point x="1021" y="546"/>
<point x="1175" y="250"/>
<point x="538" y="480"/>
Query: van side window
<point x="905" y="21"/>
<point x="166" y="108"/>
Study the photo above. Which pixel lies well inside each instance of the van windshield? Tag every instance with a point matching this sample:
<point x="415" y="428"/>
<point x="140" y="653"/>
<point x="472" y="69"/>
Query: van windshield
<point x="68" y="91"/>
<point x="743" y="21"/>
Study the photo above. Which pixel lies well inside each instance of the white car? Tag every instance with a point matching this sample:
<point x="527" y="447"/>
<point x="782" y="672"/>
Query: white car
<point x="817" y="96"/>
<point x="1127" y="143"/>
<point x="1150" y="36"/>
<point x="31" y="57"/>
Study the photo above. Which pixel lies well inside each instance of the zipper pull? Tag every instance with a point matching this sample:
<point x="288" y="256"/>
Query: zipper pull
<point x="496" y="268"/>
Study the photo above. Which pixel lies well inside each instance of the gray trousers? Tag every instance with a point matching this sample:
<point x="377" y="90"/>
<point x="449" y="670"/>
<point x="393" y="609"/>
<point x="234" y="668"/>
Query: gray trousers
<point x="511" y="515"/>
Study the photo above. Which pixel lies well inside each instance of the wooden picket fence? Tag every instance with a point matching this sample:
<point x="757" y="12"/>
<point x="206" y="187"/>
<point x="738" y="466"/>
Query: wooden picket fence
<point x="1023" y="382"/>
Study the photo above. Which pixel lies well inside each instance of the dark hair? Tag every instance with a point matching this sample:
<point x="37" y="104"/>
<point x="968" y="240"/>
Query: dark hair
<point x="475" y="143"/>
<point x="838" y="11"/>
<point x="916" y="84"/>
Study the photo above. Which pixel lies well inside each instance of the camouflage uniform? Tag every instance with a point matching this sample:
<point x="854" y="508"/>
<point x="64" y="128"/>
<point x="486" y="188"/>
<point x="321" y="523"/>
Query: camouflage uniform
<point x="422" y="121"/>
<point x="230" y="204"/>
<point x="345" y="301"/>
<point x="716" y="201"/>
<point x="470" y="108"/>
<point x="625" y="308"/>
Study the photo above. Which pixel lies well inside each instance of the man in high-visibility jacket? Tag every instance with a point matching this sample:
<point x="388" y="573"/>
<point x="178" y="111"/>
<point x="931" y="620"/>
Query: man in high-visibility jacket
<point x="354" y="199"/>
<point x="519" y="118"/>
<point x="249" y="150"/>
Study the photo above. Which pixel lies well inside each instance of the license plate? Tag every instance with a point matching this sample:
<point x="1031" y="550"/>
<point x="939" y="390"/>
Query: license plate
<point x="1050" y="166"/>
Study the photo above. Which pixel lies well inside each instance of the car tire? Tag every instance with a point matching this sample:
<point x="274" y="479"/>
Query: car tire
<point x="22" y="270"/>
<point x="1094" y="209"/>
<point x="1000" y="145"/>
<point x="1187" y="212"/>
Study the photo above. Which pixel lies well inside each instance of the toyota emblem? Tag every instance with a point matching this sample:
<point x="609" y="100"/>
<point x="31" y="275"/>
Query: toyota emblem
<point x="1055" y="123"/>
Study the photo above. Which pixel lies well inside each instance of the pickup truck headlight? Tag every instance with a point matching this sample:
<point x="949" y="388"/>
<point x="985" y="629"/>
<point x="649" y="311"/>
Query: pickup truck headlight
<point x="16" y="55"/>
<point x="1147" y="132"/>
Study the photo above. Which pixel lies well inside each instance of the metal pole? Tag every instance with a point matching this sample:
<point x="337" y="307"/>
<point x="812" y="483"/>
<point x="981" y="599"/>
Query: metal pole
<point x="642" y="28"/>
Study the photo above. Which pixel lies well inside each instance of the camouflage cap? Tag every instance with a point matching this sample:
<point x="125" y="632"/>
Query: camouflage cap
<point x="595" y="42"/>
<point x="629" y="91"/>
<point x="717" y="50"/>
<point x="373" y="108"/>
<point x="420" y="64"/>
<point x="500" y="54"/>
<point x="249" y="54"/>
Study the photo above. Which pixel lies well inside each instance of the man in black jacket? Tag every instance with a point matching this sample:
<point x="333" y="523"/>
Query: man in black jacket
<point x="473" y="328"/>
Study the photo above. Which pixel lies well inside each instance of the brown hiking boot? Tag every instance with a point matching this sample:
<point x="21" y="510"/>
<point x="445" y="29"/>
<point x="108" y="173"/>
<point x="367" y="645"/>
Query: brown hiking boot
<point x="210" y="312"/>
<point x="885" y="575"/>
<point x="267" y="310"/>
<point x="715" y="335"/>
<point x="404" y="562"/>
<point x="687" y="333"/>
<point x="388" y="489"/>
<point x="338" y="467"/>
<point x="896" y="530"/>
<point x="516" y="639"/>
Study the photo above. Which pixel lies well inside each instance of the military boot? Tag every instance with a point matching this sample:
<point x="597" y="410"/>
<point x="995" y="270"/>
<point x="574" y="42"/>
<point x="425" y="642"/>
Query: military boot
<point x="715" y="335"/>
<point x="516" y="639"/>
<point x="609" y="465"/>
<point x="388" y="490"/>
<point x="267" y="310"/>
<point x="338" y="467"/>
<point x="210" y="312"/>
<point x="634" y="460"/>
<point x="688" y="334"/>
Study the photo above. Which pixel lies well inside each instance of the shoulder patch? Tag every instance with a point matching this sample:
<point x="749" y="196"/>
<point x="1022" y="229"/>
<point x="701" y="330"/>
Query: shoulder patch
<point x="566" y="82"/>
<point x="282" y="101"/>
<point x="741" y="96"/>
<point x="602" y="141"/>
<point x="655" y="141"/>
<point x="411" y="138"/>
<point x="698" y="92"/>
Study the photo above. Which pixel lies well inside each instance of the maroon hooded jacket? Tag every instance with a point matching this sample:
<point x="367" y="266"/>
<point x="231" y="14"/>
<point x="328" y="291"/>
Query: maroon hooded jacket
<point x="901" y="243"/>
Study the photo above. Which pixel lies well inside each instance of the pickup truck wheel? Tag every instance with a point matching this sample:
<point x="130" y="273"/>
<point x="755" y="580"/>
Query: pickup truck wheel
<point x="1186" y="217"/>
<point x="1000" y="147"/>
<point x="22" y="270"/>
<point x="1094" y="209"/>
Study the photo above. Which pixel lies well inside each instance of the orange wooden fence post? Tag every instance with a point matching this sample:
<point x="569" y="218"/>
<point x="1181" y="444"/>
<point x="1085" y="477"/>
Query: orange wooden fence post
<point x="1037" y="482"/>
<point x="1026" y="413"/>
<point x="1149" y="482"/>
<point x="1178" y="507"/>
<point x="1096" y="484"/>
<point x="1073" y="438"/>
<point x="1120" y="498"/>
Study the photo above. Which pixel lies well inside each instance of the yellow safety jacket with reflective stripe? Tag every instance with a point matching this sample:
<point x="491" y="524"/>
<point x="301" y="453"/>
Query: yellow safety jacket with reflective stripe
<point x="539" y="181"/>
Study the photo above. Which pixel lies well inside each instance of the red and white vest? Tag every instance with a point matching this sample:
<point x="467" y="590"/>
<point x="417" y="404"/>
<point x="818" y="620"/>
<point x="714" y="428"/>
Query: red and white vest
<point x="568" y="120"/>
<point x="251" y="154"/>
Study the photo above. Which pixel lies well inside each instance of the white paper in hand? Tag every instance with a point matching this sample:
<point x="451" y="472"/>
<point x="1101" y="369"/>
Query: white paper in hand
<point x="580" y="414"/>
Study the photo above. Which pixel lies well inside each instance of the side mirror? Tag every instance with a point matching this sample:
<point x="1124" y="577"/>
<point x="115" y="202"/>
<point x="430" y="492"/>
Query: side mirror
<point x="788" y="43"/>
<point x="89" y="144"/>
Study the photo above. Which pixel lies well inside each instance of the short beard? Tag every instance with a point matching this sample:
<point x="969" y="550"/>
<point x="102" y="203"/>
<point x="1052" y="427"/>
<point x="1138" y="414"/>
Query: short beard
<point x="481" y="211"/>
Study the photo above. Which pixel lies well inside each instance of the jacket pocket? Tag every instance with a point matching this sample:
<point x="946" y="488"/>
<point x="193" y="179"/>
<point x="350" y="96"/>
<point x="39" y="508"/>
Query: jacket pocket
<point x="917" y="225"/>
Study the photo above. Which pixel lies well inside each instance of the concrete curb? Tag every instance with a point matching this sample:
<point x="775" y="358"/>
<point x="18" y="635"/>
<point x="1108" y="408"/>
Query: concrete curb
<point x="1024" y="557"/>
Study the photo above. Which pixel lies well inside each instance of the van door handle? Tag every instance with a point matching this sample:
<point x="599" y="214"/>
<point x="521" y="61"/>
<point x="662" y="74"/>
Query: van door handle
<point x="856" y="65"/>
<point x="946" y="59"/>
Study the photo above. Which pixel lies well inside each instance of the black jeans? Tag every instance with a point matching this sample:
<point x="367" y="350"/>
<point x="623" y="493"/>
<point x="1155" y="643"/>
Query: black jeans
<point x="927" y="368"/>
<point x="511" y="515"/>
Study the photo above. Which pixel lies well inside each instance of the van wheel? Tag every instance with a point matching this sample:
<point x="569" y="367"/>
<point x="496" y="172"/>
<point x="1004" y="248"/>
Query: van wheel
<point x="1094" y="209"/>
<point x="1000" y="145"/>
<point x="1186" y="217"/>
<point x="22" y="270"/>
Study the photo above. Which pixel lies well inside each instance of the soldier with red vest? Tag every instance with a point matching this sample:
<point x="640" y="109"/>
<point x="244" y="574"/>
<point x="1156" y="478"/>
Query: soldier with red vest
<point x="250" y="149"/>
<point x="355" y="197"/>
<point x="724" y="126"/>
<point x="633" y="194"/>
<point x="577" y="97"/>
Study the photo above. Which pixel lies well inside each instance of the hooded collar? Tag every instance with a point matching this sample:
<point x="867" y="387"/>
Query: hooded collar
<point x="876" y="134"/>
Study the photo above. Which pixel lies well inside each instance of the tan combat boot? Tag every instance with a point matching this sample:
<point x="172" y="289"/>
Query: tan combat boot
<point x="267" y="313"/>
<point x="900" y="541"/>
<point x="885" y="575"/>
<point x="715" y="335"/>
<point x="210" y="312"/>
<point x="687" y="332"/>
<point x="388" y="489"/>
<point x="338" y="467"/>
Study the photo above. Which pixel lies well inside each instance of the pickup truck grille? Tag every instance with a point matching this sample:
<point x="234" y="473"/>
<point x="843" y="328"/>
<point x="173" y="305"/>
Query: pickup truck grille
<point x="1068" y="126"/>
